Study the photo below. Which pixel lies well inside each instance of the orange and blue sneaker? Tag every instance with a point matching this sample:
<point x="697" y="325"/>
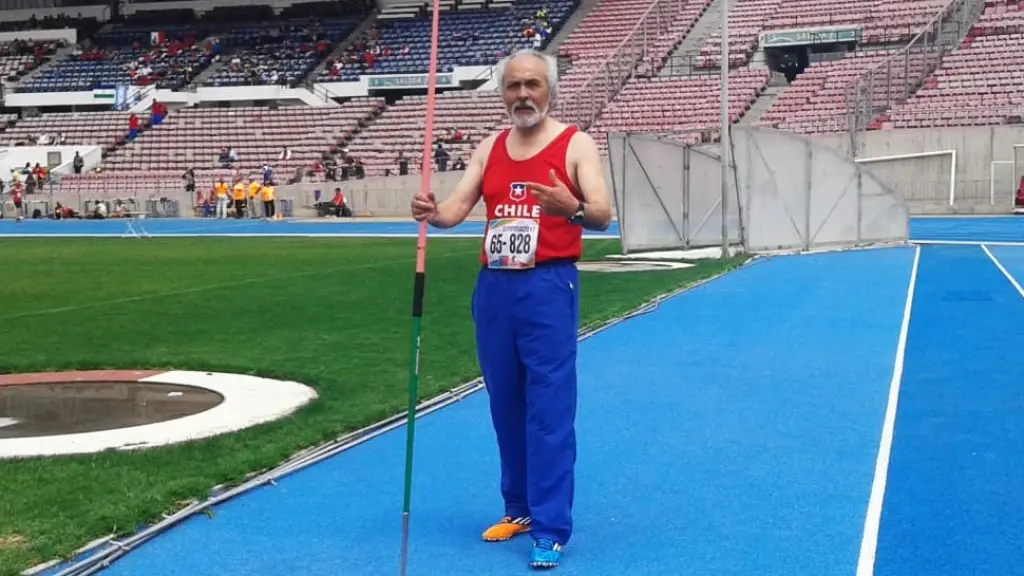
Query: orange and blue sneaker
<point x="546" y="554"/>
<point x="506" y="528"/>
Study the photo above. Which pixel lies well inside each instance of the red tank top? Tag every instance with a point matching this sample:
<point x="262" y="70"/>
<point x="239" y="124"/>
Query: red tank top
<point x="505" y="195"/>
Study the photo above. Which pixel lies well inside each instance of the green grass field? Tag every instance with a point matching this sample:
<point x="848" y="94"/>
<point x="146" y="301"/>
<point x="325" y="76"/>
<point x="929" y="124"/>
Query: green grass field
<point x="332" y="313"/>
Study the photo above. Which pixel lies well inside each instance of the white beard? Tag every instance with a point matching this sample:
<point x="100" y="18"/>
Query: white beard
<point x="530" y="121"/>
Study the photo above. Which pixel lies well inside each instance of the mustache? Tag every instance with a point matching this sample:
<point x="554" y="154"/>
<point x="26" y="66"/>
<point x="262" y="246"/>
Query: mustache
<point x="525" y="105"/>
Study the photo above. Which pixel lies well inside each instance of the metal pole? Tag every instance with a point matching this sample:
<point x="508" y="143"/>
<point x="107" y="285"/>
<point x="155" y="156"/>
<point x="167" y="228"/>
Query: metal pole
<point x="724" y="139"/>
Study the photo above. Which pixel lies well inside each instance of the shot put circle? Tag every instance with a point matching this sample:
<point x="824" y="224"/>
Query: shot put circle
<point x="65" y="413"/>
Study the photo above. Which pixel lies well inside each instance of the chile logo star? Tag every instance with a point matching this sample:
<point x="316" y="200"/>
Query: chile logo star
<point x="517" y="191"/>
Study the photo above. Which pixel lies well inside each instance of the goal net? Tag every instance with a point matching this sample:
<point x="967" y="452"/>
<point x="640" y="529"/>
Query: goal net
<point x="921" y="178"/>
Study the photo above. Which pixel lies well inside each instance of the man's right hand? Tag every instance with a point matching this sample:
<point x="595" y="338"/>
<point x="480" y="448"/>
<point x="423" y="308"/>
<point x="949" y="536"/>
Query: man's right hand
<point x="424" y="207"/>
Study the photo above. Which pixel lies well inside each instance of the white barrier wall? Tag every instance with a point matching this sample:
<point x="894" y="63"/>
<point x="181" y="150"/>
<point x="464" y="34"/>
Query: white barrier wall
<point x="784" y="193"/>
<point x="986" y="163"/>
<point x="58" y="158"/>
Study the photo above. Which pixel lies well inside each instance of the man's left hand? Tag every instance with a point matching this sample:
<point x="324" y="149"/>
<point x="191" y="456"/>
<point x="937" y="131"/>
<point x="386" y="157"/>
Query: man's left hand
<point x="557" y="199"/>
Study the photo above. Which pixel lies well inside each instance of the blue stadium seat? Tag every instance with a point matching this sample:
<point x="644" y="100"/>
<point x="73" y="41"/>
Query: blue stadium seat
<point x="466" y="38"/>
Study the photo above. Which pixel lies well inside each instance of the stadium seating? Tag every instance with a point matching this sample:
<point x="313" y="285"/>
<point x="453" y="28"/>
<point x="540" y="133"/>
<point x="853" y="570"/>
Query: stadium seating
<point x="125" y="56"/>
<point x="978" y="84"/>
<point x="603" y="28"/>
<point x="192" y="138"/>
<point x="281" y="53"/>
<point x="884" y="21"/>
<point x="78" y="128"/>
<point x="19" y="57"/>
<point x="665" y="104"/>
<point x="467" y="37"/>
<point x="400" y="128"/>
<point x="816" y="102"/>
<point x="611" y="22"/>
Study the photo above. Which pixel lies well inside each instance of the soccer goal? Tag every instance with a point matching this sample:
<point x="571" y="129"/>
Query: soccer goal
<point x="918" y="177"/>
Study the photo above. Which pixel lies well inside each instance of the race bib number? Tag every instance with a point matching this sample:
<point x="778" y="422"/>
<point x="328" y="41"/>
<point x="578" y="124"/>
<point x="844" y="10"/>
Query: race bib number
<point x="511" y="244"/>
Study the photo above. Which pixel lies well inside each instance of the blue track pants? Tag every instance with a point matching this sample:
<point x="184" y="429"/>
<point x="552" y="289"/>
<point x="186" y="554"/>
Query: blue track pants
<point x="526" y="325"/>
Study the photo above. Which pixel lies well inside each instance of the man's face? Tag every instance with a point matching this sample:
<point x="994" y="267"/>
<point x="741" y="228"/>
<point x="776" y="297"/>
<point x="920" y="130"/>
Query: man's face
<point x="526" y="91"/>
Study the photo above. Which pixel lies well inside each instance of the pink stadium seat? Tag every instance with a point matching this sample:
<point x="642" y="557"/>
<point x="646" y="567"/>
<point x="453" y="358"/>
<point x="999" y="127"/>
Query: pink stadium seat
<point x="978" y="84"/>
<point x="816" y="102"/>
<point x="400" y="129"/>
<point x="81" y="128"/>
<point x="884" y="21"/>
<point x="665" y="104"/>
<point x="192" y="138"/>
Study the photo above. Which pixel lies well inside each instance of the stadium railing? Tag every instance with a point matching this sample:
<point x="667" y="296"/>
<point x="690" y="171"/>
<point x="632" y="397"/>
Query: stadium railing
<point x="583" y="105"/>
<point x="895" y="80"/>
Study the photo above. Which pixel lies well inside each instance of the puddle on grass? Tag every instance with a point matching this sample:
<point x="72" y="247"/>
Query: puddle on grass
<point x="72" y="408"/>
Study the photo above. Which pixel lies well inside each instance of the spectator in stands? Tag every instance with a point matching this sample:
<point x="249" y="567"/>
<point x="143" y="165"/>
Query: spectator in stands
<point x="133" y="127"/>
<point x="40" y="175"/>
<point x="190" y="180"/>
<point x="226" y="157"/>
<point x="77" y="163"/>
<point x="459" y="164"/>
<point x="158" y="112"/>
<point x="441" y="157"/>
<point x="268" y="173"/>
<point x="403" y="164"/>
<point x="331" y="167"/>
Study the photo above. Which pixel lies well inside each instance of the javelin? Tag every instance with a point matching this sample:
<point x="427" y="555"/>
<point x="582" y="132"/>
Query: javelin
<point x="418" y="287"/>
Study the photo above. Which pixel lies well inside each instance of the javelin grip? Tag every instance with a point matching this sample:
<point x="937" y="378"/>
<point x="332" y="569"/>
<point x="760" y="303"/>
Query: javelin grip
<point x="419" y="284"/>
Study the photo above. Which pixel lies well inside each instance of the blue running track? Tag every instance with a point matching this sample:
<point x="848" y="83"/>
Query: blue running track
<point x="735" y="430"/>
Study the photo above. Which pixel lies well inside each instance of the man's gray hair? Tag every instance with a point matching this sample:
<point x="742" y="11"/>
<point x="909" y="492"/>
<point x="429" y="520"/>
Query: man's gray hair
<point x="550" y="64"/>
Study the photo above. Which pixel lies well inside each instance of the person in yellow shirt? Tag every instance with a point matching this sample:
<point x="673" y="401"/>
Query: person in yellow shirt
<point x="254" y="191"/>
<point x="221" y="190"/>
<point x="238" y="195"/>
<point x="268" y="200"/>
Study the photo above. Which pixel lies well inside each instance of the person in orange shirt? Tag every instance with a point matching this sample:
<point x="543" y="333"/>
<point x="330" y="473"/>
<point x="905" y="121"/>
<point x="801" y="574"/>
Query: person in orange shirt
<point x="238" y="195"/>
<point x="254" y="191"/>
<point x="220" y="189"/>
<point x="268" y="200"/>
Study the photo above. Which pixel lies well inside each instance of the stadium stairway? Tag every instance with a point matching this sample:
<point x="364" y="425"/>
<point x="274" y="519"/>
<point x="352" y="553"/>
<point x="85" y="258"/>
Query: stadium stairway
<point x="206" y="74"/>
<point x="957" y="25"/>
<point x="577" y="16"/>
<point x="761" y="105"/>
<point x="678" y="64"/>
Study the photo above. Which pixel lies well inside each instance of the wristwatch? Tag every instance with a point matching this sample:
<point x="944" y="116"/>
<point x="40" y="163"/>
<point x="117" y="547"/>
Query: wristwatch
<point x="577" y="216"/>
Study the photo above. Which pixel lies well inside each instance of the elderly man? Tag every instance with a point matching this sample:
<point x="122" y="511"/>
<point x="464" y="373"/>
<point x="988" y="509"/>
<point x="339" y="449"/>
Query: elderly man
<point x="542" y="183"/>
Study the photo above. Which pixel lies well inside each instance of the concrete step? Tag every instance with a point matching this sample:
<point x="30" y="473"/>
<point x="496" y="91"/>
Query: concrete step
<point x="761" y="105"/>
<point x="683" y="60"/>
